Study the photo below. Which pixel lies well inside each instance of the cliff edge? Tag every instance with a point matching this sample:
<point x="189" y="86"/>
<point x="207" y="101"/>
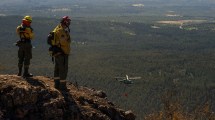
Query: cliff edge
<point x="36" y="99"/>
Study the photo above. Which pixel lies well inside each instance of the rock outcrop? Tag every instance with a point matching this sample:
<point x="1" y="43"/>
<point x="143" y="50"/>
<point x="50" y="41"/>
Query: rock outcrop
<point x="37" y="99"/>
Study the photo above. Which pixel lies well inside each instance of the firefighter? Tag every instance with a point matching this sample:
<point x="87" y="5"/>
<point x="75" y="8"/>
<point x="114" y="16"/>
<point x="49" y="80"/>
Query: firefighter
<point x="62" y="41"/>
<point x="25" y="33"/>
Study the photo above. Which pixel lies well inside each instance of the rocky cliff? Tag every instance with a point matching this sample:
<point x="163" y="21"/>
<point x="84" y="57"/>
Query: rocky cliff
<point x="37" y="99"/>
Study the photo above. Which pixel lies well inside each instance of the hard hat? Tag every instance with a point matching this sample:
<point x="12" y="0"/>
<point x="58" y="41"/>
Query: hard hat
<point x="28" y="18"/>
<point x="65" y="20"/>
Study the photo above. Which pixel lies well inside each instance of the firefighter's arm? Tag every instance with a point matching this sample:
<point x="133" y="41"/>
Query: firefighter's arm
<point x="30" y="33"/>
<point x="64" y="39"/>
<point x="18" y="30"/>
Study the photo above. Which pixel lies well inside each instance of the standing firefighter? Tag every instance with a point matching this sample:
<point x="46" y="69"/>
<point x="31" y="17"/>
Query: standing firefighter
<point x="59" y="39"/>
<point x="26" y="34"/>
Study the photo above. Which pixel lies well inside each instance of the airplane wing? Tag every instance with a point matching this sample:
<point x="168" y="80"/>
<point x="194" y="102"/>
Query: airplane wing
<point x="133" y="78"/>
<point x="119" y="78"/>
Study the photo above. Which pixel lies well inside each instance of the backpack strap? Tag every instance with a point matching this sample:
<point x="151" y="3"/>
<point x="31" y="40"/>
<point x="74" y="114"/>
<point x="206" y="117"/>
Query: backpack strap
<point x="56" y="40"/>
<point x="21" y="31"/>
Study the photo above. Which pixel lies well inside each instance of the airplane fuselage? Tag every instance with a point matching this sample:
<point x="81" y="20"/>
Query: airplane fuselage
<point x="126" y="81"/>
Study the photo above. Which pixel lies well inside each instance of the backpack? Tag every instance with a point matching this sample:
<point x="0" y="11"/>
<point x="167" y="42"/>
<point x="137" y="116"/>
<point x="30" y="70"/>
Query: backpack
<point x="54" y="48"/>
<point x="51" y="38"/>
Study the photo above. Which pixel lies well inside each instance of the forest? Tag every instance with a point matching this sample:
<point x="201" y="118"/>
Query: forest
<point x="177" y="66"/>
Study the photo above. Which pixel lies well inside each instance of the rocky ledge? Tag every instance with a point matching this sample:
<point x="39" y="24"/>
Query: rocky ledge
<point x="37" y="99"/>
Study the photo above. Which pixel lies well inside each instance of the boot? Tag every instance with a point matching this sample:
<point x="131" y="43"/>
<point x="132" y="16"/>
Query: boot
<point x="26" y="73"/>
<point x="57" y="83"/>
<point x="63" y="86"/>
<point x="20" y="70"/>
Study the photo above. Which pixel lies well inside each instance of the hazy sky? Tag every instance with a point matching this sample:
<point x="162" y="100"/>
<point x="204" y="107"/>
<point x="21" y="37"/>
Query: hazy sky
<point x="61" y="1"/>
<point x="30" y="3"/>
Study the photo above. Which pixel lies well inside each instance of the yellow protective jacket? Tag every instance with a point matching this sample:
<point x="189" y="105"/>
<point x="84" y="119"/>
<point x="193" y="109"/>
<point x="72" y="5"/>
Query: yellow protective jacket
<point x="62" y="39"/>
<point x="25" y="32"/>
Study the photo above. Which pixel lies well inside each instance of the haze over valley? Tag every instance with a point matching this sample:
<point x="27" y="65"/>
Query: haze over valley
<point x="83" y="8"/>
<point x="170" y="44"/>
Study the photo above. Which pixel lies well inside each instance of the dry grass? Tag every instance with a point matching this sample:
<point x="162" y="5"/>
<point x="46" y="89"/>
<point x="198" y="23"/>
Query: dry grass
<point x="173" y="110"/>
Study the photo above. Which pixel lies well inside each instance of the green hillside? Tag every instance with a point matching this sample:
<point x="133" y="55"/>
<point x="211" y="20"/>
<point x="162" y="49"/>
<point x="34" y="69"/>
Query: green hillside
<point x="169" y="60"/>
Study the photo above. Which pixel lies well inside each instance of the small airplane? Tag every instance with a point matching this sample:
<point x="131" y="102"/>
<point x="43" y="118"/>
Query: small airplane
<point x="126" y="79"/>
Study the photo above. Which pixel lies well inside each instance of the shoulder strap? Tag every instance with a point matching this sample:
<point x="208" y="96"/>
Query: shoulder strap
<point x="21" y="31"/>
<point x="54" y="33"/>
<point x="31" y="28"/>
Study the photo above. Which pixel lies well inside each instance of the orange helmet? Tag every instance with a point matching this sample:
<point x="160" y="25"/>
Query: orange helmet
<point x="65" y="20"/>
